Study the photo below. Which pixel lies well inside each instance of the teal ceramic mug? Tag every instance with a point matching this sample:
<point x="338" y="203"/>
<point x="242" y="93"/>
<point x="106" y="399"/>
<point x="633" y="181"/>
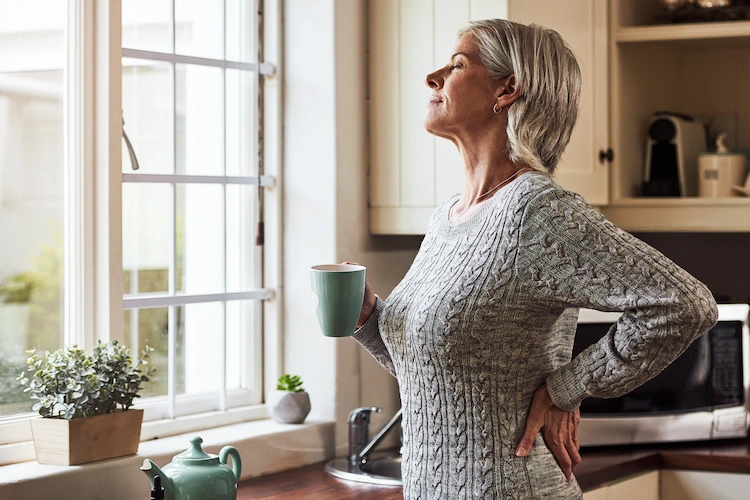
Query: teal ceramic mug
<point x="340" y="289"/>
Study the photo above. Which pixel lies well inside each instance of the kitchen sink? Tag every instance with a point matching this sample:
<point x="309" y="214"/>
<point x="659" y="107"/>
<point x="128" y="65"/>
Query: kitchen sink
<point x="381" y="468"/>
<point x="386" y="467"/>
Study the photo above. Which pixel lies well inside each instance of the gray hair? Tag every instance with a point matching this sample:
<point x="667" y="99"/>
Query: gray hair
<point x="541" y="120"/>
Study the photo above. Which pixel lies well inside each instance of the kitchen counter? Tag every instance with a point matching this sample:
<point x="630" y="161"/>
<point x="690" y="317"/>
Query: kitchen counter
<point x="599" y="466"/>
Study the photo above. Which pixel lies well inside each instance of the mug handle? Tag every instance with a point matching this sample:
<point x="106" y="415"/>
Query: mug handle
<point x="236" y="460"/>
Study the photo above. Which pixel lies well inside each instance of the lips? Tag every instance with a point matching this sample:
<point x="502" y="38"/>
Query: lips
<point x="435" y="100"/>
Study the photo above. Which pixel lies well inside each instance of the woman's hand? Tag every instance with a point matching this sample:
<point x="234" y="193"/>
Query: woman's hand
<point x="368" y="303"/>
<point x="559" y="429"/>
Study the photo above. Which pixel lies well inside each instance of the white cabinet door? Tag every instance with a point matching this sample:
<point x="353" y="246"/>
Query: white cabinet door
<point x="583" y="25"/>
<point x="411" y="171"/>
<point x="698" y="485"/>
<point x="597" y="494"/>
<point x="642" y="487"/>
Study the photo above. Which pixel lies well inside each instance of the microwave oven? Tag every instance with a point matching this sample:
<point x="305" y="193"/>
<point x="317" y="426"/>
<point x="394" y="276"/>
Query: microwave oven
<point x="703" y="395"/>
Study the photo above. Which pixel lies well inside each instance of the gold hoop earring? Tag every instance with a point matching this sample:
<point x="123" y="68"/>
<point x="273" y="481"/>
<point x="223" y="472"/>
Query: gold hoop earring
<point x="495" y="110"/>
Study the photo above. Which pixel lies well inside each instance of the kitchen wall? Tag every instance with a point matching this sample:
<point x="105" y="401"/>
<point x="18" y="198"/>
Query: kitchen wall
<point x="325" y="205"/>
<point x="720" y="260"/>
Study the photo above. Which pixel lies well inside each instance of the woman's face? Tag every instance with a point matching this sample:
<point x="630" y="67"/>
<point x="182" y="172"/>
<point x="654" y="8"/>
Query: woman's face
<point x="463" y="93"/>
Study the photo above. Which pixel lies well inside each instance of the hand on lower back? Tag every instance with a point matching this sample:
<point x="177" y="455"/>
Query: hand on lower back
<point x="559" y="428"/>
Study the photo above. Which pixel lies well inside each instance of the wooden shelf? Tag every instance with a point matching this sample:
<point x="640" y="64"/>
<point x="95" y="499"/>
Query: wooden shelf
<point x="728" y="30"/>
<point x="681" y="202"/>
<point x="721" y="215"/>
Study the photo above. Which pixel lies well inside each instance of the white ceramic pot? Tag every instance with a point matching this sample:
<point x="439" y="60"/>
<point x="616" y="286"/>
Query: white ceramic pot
<point x="289" y="407"/>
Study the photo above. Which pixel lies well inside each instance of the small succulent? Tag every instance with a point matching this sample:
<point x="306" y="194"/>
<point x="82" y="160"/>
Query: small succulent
<point x="289" y="383"/>
<point x="70" y="383"/>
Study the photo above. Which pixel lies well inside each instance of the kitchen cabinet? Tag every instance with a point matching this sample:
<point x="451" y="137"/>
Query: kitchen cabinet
<point x="411" y="171"/>
<point x="699" y="485"/>
<point x="697" y="69"/>
<point x="583" y="25"/>
<point x="631" y="68"/>
<point x="643" y="487"/>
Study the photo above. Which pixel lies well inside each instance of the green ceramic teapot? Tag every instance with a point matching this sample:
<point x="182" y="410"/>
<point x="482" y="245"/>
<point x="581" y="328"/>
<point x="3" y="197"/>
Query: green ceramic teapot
<point x="196" y="475"/>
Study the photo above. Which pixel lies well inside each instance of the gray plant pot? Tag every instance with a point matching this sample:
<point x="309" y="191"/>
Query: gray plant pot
<point x="289" y="407"/>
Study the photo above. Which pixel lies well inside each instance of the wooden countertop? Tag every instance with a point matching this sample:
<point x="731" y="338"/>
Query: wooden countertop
<point x="599" y="466"/>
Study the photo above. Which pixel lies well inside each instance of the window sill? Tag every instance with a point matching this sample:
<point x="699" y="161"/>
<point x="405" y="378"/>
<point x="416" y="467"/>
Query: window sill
<point x="264" y="445"/>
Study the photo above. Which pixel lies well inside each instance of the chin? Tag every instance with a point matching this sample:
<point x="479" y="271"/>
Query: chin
<point x="431" y="127"/>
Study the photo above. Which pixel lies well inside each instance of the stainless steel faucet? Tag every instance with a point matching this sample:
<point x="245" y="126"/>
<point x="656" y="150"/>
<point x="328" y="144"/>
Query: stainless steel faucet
<point x="359" y="425"/>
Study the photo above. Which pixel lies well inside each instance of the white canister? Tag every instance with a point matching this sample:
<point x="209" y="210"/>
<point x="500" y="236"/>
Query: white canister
<point x="717" y="173"/>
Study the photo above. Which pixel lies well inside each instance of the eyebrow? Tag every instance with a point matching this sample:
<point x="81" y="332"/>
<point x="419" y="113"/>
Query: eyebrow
<point x="459" y="54"/>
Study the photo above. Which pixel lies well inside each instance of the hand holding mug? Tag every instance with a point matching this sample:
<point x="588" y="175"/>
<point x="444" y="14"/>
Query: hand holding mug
<point x="340" y="289"/>
<point x="368" y="303"/>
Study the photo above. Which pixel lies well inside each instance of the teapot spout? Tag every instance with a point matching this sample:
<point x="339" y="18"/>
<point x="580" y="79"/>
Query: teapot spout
<point x="152" y="470"/>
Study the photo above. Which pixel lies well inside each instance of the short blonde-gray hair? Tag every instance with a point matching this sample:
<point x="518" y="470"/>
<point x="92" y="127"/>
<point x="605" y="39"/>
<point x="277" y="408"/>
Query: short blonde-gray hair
<point x="541" y="120"/>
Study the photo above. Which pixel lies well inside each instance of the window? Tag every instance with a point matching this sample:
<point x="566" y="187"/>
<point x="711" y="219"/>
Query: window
<point x="32" y="86"/>
<point x="192" y="275"/>
<point x="160" y="243"/>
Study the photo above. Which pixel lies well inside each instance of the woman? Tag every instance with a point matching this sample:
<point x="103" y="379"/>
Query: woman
<point x="479" y="333"/>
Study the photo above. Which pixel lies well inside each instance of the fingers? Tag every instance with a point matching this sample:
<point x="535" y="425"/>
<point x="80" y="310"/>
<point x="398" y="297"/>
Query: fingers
<point x="575" y="456"/>
<point x="368" y="305"/>
<point x="560" y="430"/>
<point x="534" y="422"/>
<point x="561" y="435"/>
<point x="527" y="441"/>
<point x="564" y="460"/>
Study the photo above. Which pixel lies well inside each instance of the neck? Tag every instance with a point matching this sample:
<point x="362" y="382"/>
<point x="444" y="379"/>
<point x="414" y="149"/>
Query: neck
<point x="486" y="163"/>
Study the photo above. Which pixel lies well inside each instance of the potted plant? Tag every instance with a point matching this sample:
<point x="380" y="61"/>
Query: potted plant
<point x="289" y="403"/>
<point x="85" y="401"/>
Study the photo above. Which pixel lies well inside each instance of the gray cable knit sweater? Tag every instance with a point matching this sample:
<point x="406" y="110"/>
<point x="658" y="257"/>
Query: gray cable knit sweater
<point x="486" y="314"/>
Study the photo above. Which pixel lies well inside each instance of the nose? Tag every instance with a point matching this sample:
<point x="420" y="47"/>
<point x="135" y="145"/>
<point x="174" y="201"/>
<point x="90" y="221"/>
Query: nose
<point x="434" y="80"/>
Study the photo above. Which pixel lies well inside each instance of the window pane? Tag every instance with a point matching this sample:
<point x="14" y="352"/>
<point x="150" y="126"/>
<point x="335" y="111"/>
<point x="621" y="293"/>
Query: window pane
<point x="241" y="127"/>
<point x="150" y="327"/>
<point x="241" y="30"/>
<point x="200" y="120"/>
<point x="199" y="28"/>
<point x="241" y="249"/>
<point x="145" y="25"/>
<point x="199" y="340"/>
<point x="32" y="60"/>
<point x="240" y="347"/>
<point x="146" y="237"/>
<point x="200" y="238"/>
<point x="147" y="106"/>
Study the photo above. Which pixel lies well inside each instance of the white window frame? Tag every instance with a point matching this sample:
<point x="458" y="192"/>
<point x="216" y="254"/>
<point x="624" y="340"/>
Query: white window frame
<point x="172" y="406"/>
<point x="94" y="302"/>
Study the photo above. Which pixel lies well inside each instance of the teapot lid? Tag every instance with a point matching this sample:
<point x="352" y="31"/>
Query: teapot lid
<point x="196" y="455"/>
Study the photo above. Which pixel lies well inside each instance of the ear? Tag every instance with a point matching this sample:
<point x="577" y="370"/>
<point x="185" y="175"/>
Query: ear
<point x="507" y="91"/>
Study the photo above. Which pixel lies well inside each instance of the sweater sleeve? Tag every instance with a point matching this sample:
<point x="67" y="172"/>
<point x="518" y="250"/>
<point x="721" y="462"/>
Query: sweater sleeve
<point x="569" y="255"/>
<point x="368" y="336"/>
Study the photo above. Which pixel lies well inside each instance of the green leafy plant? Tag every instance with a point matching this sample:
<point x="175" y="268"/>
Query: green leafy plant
<point x="70" y="383"/>
<point x="11" y="390"/>
<point x="289" y="383"/>
<point x="18" y="289"/>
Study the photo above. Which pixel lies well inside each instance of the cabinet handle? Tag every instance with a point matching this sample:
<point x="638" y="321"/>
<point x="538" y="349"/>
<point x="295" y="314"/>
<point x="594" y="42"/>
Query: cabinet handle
<point x="607" y="155"/>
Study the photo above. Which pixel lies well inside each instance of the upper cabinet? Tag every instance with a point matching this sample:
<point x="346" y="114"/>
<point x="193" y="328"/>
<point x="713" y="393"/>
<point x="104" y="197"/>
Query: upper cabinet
<point x="697" y="69"/>
<point x="631" y="68"/>
<point x="411" y="171"/>
<point x="584" y="167"/>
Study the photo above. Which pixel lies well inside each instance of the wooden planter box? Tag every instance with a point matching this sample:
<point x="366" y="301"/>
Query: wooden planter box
<point x="82" y="440"/>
